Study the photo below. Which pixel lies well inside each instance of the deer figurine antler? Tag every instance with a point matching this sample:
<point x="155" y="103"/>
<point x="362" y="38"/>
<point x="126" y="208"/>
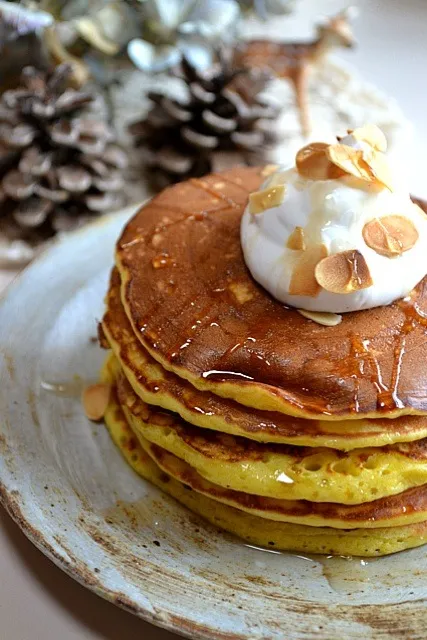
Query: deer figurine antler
<point x="294" y="61"/>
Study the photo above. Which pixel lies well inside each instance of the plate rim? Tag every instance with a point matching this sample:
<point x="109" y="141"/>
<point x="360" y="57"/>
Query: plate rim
<point x="8" y="498"/>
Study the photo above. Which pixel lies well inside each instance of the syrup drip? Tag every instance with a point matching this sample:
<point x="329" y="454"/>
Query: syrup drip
<point x="357" y="364"/>
<point x="356" y="281"/>
<point x="363" y="364"/>
<point x="202" y="318"/>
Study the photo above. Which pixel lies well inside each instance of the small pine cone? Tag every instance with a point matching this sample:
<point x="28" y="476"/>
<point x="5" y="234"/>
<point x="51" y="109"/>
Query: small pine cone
<point x="58" y="162"/>
<point x="225" y="112"/>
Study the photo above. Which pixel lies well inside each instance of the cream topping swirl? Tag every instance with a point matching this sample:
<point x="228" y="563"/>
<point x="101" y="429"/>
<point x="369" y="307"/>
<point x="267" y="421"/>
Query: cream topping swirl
<point x="336" y="233"/>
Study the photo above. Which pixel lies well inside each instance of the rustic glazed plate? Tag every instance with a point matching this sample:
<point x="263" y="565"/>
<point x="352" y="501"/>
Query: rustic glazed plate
<point x="65" y="484"/>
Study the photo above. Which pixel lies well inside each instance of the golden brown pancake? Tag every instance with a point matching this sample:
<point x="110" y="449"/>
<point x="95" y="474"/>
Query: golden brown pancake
<point x="194" y="306"/>
<point x="253" y="529"/>
<point x="156" y="385"/>
<point x="276" y="470"/>
<point x="405" y="508"/>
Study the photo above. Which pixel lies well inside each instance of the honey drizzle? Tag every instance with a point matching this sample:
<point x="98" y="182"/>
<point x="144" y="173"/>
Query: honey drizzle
<point x="356" y="356"/>
<point x="356" y="280"/>
<point x="368" y="365"/>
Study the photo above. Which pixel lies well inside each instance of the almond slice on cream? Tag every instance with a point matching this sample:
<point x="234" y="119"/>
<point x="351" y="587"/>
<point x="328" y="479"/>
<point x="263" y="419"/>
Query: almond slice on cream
<point x="372" y="135"/>
<point x="303" y="281"/>
<point x="323" y="318"/>
<point x="343" y="272"/>
<point x="95" y="399"/>
<point x="312" y="162"/>
<point x="367" y="165"/>
<point x="380" y="168"/>
<point x="296" y="240"/>
<point x="390" y="236"/>
<point x="350" y="160"/>
<point x="259" y="201"/>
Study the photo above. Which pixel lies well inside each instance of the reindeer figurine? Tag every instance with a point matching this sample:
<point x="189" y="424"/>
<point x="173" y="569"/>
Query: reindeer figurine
<point x="295" y="60"/>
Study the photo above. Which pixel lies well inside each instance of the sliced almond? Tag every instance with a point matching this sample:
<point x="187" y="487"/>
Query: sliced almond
<point x="312" y="162"/>
<point x="343" y="272"/>
<point x="296" y="240"/>
<point x="372" y="135"/>
<point x="390" y="236"/>
<point x="350" y="160"/>
<point x="303" y="282"/>
<point x="380" y="168"/>
<point x="367" y="165"/>
<point x="259" y="201"/>
<point x="325" y="319"/>
<point x="95" y="400"/>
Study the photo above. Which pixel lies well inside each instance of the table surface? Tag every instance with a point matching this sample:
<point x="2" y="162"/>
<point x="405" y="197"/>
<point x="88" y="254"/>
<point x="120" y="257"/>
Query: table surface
<point x="37" y="600"/>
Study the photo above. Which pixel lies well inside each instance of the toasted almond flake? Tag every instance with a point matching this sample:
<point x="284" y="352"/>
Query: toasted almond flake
<point x="269" y="169"/>
<point x="372" y="135"/>
<point x="380" y="168"/>
<point x="259" y="201"/>
<point x="296" y="240"/>
<point x="312" y="162"/>
<point x="368" y="165"/>
<point x="363" y="185"/>
<point x="325" y="319"/>
<point x="343" y="272"/>
<point x="390" y="236"/>
<point x="350" y="160"/>
<point x="303" y="282"/>
<point x="95" y="400"/>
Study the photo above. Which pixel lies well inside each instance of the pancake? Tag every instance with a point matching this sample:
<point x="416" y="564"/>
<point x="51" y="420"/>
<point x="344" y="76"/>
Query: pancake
<point x="255" y="530"/>
<point x="155" y="385"/>
<point x="194" y="306"/>
<point x="279" y="471"/>
<point x="405" y="508"/>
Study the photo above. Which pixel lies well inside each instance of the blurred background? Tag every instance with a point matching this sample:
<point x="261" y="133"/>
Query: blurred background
<point x="105" y="102"/>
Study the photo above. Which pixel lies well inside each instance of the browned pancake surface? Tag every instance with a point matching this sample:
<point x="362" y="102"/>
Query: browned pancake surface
<point x="385" y="510"/>
<point x="196" y="405"/>
<point x="220" y="446"/>
<point x="193" y="303"/>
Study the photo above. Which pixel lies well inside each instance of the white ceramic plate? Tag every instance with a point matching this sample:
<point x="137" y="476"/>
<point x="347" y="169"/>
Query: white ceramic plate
<point x="65" y="484"/>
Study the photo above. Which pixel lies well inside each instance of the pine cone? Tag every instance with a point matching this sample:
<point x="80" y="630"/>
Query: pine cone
<point x="224" y="112"/>
<point x="58" y="166"/>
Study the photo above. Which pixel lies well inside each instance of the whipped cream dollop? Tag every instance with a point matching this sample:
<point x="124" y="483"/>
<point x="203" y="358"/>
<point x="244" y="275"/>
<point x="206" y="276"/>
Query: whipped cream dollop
<point x="337" y="232"/>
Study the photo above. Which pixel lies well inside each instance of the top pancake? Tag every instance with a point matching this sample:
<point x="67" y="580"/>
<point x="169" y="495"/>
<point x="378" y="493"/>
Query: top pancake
<point x="205" y="409"/>
<point x="195" y="307"/>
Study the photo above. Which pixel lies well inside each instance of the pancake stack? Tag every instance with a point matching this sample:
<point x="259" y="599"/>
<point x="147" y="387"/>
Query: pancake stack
<point x="292" y="435"/>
